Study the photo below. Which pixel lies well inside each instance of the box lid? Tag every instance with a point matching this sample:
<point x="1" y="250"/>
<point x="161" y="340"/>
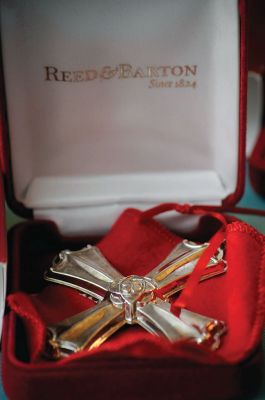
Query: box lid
<point x="111" y="105"/>
<point x="3" y="253"/>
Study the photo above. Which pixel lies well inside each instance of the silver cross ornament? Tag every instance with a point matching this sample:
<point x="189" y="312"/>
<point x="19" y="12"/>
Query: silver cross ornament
<point x="142" y="300"/>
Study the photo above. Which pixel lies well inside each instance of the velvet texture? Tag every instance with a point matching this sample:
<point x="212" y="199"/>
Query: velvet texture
<point x="256" y="35"/>
<point x="134" y="364"/>
<point x="257" y="165"/>
<point x="256" y="62"/>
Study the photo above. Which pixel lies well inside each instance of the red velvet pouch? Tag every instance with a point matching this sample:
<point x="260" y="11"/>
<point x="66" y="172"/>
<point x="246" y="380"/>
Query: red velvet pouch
<point x="134" y="364"/>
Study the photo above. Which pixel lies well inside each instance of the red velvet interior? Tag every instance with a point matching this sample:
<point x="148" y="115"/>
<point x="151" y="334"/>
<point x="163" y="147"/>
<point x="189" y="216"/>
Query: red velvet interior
<point x="256" y="35"/>
<point x="256" y="61"/>
<point x="257" y="165"/>
<point x="134" y="247"/>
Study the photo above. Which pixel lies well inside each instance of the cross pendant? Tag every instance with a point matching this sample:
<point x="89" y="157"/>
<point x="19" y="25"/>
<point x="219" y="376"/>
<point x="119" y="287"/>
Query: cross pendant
<point x="130" y="300"/>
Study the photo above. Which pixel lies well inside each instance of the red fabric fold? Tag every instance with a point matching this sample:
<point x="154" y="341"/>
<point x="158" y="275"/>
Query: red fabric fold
<point x="52" y="305"/>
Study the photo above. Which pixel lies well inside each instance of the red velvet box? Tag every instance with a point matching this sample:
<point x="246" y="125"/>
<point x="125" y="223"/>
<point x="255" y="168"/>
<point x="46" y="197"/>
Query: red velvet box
<point x="83" y="140"/>
<point x="256" y="37"/>
<point x="257" y="153"/>
<point x="257" y="165"/>
<point x="255" y="132"/>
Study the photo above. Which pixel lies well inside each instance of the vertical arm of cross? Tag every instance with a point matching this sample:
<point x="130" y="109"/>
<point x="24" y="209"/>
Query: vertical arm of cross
<point x="157" y="319"/>
<point x="171" y="274"/>
<point x="88" y="329"/>
<point x="86" y="270"/>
